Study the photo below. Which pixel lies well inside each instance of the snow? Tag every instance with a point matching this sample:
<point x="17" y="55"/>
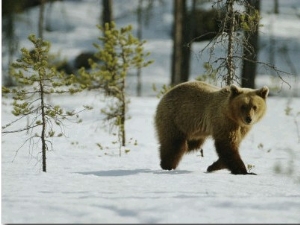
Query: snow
<point x="85" y="184"/>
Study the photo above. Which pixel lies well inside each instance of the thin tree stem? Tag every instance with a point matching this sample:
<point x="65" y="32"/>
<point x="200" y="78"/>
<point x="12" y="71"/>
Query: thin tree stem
<point x="44" y="145"/>
<point x="230" y="63"/>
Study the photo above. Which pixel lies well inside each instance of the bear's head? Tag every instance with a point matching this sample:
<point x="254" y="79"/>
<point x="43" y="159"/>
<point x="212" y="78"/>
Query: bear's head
<point x="247" y="106"/>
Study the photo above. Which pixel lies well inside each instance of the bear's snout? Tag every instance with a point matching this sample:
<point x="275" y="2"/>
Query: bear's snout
<point x="248" y="119"/>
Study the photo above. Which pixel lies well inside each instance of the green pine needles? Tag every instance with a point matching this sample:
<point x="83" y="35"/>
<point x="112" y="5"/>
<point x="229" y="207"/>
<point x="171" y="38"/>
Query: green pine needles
<point x="37" y="80"/>
<point x="118" y="52"/>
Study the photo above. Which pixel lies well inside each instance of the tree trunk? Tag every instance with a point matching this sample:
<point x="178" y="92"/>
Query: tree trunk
<point x="250" y="58"/>
<point x="229" y="62"/>
<point x="177" y="42"/>
<point x="43" y="138"/>
<point x="12" y="45"/>
<point x="139" y="36"/>
<point x="276" y="7"/>
<point x="188" y="31"/>
<point x="123" y="116"/>
<point x="106" y="12"/>
<point x="41" y="19"/>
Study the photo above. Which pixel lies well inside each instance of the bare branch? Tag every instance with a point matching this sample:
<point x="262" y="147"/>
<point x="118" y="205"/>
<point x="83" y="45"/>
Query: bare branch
<point x="20" y="130"/>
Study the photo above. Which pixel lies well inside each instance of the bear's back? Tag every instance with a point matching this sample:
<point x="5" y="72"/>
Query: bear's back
<point x="190" y="105"/>
<point x="192" y="93"/>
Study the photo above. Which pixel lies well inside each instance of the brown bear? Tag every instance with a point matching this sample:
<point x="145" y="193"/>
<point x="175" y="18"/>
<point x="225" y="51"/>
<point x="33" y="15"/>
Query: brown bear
<point x="192" y="111"/>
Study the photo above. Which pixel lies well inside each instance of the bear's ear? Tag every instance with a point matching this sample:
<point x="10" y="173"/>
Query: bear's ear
<point x="235" y="90"/>
<point x="263" y="92"/>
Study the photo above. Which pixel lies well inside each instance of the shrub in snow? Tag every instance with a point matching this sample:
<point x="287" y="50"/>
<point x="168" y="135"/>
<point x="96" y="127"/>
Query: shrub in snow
<point x="37" y="80"/>
<point x="118" y="52"/>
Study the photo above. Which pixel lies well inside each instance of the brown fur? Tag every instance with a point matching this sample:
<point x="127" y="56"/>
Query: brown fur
<point x="192" y="111"/>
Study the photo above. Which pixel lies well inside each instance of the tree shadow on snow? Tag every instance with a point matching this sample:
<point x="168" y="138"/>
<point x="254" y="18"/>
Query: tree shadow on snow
<point x="116" y="173"/>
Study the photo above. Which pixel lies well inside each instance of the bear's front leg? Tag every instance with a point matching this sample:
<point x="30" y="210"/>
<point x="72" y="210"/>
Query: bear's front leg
<point x="230" y="157"/>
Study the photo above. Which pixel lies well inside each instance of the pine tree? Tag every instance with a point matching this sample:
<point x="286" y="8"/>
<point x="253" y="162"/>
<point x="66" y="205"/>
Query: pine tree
<point x="37" y="80"/>
<point x="118" y="52"/>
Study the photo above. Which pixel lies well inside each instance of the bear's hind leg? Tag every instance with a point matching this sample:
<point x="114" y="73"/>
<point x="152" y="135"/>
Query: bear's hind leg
<point x="171" y="153"/>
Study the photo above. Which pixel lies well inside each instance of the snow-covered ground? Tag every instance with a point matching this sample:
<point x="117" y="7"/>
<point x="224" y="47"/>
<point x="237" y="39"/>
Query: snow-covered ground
<point x="85" y="184"/>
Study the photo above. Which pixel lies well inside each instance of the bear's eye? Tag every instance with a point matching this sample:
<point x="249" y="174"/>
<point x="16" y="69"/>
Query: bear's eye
<point x="254" y="107"/>
<point x="243" y="107"/>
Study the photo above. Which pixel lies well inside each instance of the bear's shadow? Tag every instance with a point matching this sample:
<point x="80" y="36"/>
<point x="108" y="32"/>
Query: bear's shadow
<point x="117" y="173"/>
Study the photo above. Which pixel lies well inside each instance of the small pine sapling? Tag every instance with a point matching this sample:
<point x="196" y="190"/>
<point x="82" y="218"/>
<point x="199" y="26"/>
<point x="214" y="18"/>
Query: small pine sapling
<point x="118" y="52"/>
<point x="36" y="80"/>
